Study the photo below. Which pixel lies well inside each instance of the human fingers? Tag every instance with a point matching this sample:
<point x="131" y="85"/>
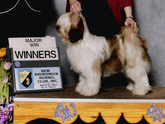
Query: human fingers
<point x="136" y="29"/>
<point x="73" y="9"/>
<point x="127" y="22"/>
<point x="76" y="7"/>
<point x="133" y="24"/>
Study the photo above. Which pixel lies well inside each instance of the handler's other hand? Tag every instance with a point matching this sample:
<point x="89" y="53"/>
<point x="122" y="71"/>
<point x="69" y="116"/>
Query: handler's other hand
<point x="75" y="6"/>
<point x="132" y="23"/>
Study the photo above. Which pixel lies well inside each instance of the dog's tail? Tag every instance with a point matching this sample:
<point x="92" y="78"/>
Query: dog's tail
<point x="134" y="47"/>
<point x="129" y="36"/>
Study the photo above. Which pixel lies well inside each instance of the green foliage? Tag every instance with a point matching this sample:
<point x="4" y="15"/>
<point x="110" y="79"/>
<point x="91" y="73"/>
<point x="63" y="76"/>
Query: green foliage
<point x="4" y="87"/>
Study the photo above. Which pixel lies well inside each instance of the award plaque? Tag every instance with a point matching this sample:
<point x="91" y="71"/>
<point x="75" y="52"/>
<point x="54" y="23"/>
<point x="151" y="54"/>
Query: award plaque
<point x="36" y="69"/>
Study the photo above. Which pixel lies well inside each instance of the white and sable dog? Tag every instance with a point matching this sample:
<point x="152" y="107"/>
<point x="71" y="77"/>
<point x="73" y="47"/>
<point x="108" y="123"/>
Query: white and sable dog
<point x="93" y="56"/>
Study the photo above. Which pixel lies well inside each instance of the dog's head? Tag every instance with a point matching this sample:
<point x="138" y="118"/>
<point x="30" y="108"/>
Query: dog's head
<point x="70" y="26"/>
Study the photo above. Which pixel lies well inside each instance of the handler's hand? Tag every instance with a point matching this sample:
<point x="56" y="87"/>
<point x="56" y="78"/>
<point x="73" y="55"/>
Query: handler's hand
<point x="132" y="23"/>
<point x="75" y="6"/>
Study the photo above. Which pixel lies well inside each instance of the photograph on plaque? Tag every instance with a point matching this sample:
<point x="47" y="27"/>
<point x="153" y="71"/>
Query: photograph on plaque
<point x="36" y="70"/>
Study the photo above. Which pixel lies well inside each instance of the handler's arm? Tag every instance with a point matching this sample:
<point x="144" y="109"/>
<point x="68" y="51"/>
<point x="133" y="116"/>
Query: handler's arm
<point x="129" y="19"/>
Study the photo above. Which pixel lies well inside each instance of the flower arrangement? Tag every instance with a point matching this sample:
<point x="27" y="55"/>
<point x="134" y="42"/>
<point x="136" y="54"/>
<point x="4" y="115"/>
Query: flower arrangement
<point x="5" y="81"/>
<point x="6" y="104"/>
<point x="5" y="77"/>
<point x="6" y="112"/>
<point x="2" y="53"/>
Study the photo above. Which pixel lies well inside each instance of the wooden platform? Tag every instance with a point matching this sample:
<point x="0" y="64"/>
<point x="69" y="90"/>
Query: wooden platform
<point x="110" y="104"/>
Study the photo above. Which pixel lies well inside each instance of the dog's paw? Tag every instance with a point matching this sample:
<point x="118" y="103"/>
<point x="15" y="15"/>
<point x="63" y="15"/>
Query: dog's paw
<point x="78" y="89"/>
<point x="79" y="86"/>
<point x="88" y="91"/>
<point x="130" y="86"/>
<point x="142" y="91"/>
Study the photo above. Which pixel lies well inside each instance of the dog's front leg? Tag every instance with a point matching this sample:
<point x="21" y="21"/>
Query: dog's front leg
<point x="89" y="84"/>
<point x="81" y="84"/>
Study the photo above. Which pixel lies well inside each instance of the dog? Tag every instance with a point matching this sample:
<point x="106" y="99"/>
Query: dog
<point x="93" y="57"/>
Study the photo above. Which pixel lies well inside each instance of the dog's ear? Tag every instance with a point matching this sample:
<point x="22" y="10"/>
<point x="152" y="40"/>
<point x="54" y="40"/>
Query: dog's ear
<point x="77" y="29"/>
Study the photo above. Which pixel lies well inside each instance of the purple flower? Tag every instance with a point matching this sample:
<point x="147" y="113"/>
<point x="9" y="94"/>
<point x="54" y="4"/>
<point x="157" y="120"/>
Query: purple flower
<point x="4" y="118"/>
<point x="5" y="79"/>
<point x="7" y="65"/>
<point x="6" y="113"/>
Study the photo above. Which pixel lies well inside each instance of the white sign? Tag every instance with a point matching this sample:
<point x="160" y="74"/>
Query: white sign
<point x="21" y="54"/>
<point x="36" y="64"/>
<point x="32" y="42"/>
<point x="38" y="78"/>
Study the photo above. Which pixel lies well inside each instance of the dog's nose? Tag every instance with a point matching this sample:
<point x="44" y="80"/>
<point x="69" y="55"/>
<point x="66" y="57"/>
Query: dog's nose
<point x="57" y="27"/>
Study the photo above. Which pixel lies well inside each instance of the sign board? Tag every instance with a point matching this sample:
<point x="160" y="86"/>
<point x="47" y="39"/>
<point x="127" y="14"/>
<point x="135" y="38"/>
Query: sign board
<point x="35" y="69"/>
<point x="32" y="42"/>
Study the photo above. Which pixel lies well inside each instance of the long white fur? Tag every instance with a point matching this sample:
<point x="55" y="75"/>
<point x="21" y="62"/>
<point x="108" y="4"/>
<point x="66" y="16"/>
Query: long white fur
<point x="82" y="58"/>
<point x="91" y="51"/>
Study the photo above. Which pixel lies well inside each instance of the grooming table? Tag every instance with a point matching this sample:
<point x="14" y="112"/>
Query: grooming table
<point x="109" y="106"/>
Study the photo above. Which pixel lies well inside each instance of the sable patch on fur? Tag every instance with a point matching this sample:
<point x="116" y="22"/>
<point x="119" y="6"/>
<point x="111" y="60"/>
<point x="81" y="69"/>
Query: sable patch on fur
<point x="114" y="63"/>
<point x="77" y="28"/>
